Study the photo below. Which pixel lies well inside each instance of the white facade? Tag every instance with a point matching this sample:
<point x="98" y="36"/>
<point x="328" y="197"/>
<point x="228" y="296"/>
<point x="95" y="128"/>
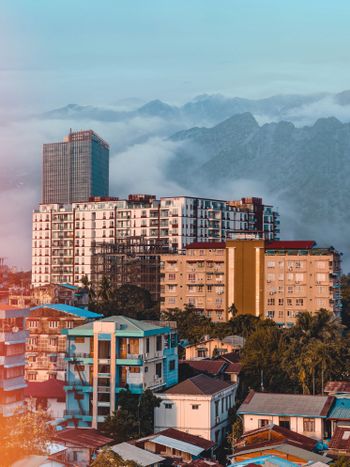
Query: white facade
<point x="202" y="415"/>
<point x="64" y="234"/>
<point x="311" y="427"/>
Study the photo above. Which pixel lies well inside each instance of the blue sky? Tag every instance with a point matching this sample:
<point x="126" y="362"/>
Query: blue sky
<point x="59" y="51"/>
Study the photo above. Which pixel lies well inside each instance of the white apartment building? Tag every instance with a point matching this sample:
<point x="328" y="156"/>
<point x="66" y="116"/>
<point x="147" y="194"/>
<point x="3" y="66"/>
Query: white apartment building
<point x="63" y="235"/>
<point x="199" y="406"/>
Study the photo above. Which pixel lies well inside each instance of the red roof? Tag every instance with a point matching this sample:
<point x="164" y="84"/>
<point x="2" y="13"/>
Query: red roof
<point x="202" y="463"/>
<point x="82" y="437"/>
<point x="186" y="437"/>
<point x="290" y="245"/>
<point x="206" y="245"/>
<point x="340" y="439"/>
<point x="230" y="357"/>
<point x="234" y="368"/>
<point x="50" y="389"/>
<point x="264" y="437"/>
<point x="211" y="367"/>
<point x="337" y="386"/>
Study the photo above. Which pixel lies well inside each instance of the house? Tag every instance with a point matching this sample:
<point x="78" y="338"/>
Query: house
<point x="234" y="366"/>
<point x="339" y="444"/>
<point x="177" y="445"/>
<point x="333" y="388"/>
<point x="81" y="445"/>
<point x="339" y="414"/>
<point x="46" y="346"/>
<point x="272" y="434"/>
<point x="47" y="395"/>
<point x="214" y="347"/>
<point x="285" y="451"/>
<point x="304" y="414"/>
<point x="112" y="354"/>
<point x="130" y="452"/>
<point x="279" y="461"/>
<point x="198" y="405"/>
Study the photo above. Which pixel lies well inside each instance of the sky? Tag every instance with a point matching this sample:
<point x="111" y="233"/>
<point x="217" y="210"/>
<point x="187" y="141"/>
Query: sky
<point x="56" y="52"/>
<point x="59" y="51"/>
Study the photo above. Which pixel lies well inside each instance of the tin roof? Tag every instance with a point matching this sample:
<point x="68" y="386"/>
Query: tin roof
<point x="195" y="440"/>
<point x="337" y="387"/>
<point x="82" y="437"/>
<point x="50" y="389"/>
<point x="131" y="452"/>
<point x="340" y="409"/>
<point x="71" y="310"/>
<point x="211" y="367"/>
<point x="286" y="404"/>
<point x="340" y="438"/>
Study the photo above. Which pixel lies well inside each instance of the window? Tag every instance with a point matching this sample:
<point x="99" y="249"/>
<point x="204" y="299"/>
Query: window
<point x="263" y="422"/>
<point x="195" y="406"/>
<point x="217" y="408"/>
<point x="299" y="277"/>
<point x="299" y="302"/>
<point x="172" y="365"/>
<point x="289" y="302"/>
<point x="289" y="290"/>
<point x="69" y="324"/>
<point x="172" y="277"/>
<point x="270" y="264"/>
<point x="270" y="301"/>
<point x="53" y="324"/>
<point x="191" y="277"/>
<point x="309" y="424"/>
<point x="159" y="343"/>
<point x="168" y="406"/>
<point x="284" y="422"/>
<point x="32" y="323"/>
<point x="159" y="370"/>
<point x="280" y="301"/>
<point x="146" y="369"/>
<point x="147" y="345"/>
<point x="320" y="277"/>
<point x="134" y="369"/>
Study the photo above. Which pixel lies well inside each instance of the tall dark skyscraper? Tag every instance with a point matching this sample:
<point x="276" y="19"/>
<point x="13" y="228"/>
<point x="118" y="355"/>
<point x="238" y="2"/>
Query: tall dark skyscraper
<point x="75" y="169"/>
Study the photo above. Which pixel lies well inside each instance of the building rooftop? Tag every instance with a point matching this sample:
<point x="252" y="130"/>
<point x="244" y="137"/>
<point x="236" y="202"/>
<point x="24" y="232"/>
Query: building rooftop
<point x="290" y="245"/>
<point x="206" y="246"/>
<point x="210" y="367"/>
<point x="286" y="404"/>
<point x="230" y="357"/>
<point x="340" y="439"/>
<point x="270" y="434"/>
<point x="337" y="387"/>
<point x="71" y="310"/>
<point x="340" y="409"/>
<point x="124" y="324"/>
<point x="82" y="437"/>
<point x="52" y="388"/>
<point x="131" y="452"/>
<point x="199" y="385"/>
<point x="178" y="435"/>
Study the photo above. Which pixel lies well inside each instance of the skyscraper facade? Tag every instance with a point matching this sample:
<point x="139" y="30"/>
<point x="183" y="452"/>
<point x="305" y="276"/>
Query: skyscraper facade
<point x="75" y="169"/>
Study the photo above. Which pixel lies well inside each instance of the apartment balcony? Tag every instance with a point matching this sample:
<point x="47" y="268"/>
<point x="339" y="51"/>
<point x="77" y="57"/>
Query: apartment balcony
<point x="83" y="386"/>
<point x="79" y="357"/>
<point x="12" y="361"/>
<point x="129" y="359"/>
<point x="76" y="413"/>
<point x="13" y="383"/>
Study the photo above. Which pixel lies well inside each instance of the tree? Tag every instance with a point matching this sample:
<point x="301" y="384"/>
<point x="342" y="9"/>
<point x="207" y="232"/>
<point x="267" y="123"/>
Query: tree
<point x="345" y="294"/>
<point x="191" y="325"/>
<point x="109" y="458"/>
<point x="134" y="417"/>
<point x="87" y="285"/>
<point x="24" y="434"/>
<point x="342" y="461"/>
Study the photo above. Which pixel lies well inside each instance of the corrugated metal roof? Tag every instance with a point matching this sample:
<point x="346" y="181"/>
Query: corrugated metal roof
<point x="340" y="409"/>
<point x="71" y="310"/>
<point x="176" y="444"/>
<point x="337" y="387"/>
<point x="285" y="404"/>
<point x="128" y="324"/>
<point x="200" y="385"/>
<point x="131" y="452"/>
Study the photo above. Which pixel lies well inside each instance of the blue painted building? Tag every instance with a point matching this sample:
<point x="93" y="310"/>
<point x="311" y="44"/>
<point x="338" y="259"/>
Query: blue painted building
<point x="112" y="354"/>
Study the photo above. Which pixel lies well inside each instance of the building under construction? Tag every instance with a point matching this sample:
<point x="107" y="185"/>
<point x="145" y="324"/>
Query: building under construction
<point x="132" y="260"/>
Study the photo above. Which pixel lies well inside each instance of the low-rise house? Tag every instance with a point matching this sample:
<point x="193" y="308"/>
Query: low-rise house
<point x="47" y="395"/>
<point x="234" y="366"/>
<point x="130" y="452"/>
<point x="176" y="445"/>
<point x="214" y="347"/>
<point x="333" y="388"/>
<point x="112" y="354"/>
<point x="198" y="405"/>
<point x="46" y="346"/>
<point x="270" y="460"/>
<point x="339" y="415"/>
<point x="339" y="444"/>
<point x="304" y="414"/>
<point x="81" y="445"/>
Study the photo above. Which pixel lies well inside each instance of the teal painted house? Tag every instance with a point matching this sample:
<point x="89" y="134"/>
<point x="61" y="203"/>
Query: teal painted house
<point x="107" y="356"/>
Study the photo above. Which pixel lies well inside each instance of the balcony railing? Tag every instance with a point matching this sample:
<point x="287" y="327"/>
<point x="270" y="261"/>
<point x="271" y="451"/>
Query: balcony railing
<point x="77" y="413"/>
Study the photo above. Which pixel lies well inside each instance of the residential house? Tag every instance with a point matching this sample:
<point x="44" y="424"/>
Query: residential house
<point x="47" y="395"/>
<point x="81" y="445"/>
<point x="339" y="444"/>
<point x="304" y="414"/>
<point x="12" y="351"/>
<point x="176" y="445"/>
<point x="333" y="388"/>
<point x="46" y="346"/>
<point x="213" y="368"/>
<point x="339" y="415"/>
<point x="199" y="406"/>
<point x="112" y="354"/>
<point x="233" y="367"/>
<point x="130" y="452"/>
<point x="214" y="347"/>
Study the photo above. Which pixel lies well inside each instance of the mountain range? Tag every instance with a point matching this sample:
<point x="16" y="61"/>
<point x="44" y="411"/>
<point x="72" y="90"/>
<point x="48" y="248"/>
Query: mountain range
<point x="209" y="109"/>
